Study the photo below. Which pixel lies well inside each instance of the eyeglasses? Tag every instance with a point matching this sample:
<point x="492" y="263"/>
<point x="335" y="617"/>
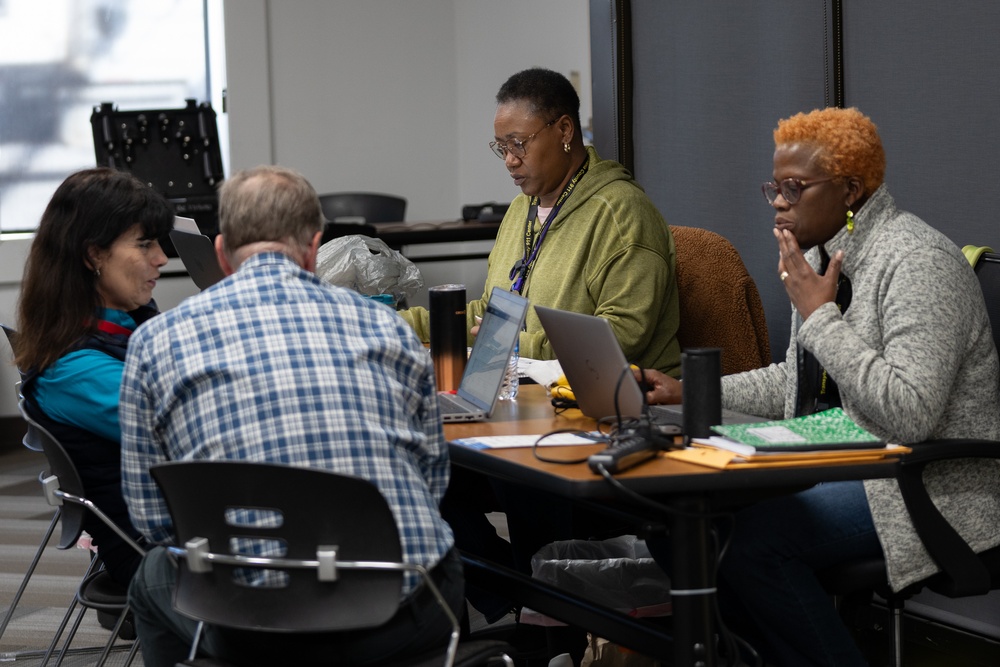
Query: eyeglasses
<point x="790" y="188"/>
<point x="514" y="146"/>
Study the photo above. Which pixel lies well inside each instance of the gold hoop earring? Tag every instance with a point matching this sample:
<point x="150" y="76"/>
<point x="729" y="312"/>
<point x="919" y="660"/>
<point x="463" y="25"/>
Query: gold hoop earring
<point x="850" y="221"/>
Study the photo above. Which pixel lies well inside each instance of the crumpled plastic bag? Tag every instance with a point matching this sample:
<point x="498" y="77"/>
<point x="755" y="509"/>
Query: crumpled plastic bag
<point x="369" y="266"/>
<point x="602" y="653"/>
<point x="619" y="573"/>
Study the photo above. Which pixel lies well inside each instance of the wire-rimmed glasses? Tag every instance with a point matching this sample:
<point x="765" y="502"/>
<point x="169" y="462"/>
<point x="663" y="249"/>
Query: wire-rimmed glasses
<point x="790" y="188"/>
<point x="515" y="147"/>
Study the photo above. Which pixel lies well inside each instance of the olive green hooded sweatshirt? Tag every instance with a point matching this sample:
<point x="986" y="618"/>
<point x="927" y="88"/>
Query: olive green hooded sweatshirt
<point x="608" y="253"/>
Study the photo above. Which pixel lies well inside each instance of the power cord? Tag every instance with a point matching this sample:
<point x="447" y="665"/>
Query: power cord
<point x="575" y="431"/>
<point x="657" y="437"/>
<point x="562" y="404"/>
<point x="727" y="638"/>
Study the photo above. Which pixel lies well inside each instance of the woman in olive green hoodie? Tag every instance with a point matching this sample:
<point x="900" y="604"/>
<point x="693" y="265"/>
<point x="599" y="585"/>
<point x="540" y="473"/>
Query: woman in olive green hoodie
<point x="582" y="236"/>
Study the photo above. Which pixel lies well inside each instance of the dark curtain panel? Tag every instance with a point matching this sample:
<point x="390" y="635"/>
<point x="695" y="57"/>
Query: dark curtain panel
<point x="611" y="78"/>
<point x="711" y="80"/>
<point x="927" y="74"/>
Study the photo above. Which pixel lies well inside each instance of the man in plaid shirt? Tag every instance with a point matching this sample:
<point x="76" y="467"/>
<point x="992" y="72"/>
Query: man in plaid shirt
<point x="274" y="365"/>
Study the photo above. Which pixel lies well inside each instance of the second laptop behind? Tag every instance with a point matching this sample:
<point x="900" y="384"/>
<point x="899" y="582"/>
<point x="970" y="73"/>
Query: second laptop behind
<point x="599" y="374"/>
<point x="477" y="394"/>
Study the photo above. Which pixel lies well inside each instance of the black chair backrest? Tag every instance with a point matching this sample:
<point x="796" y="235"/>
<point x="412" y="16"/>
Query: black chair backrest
<point x="315" y="508"/>
<point x="31" y="439"/>
<point x="988" y="271"/>
<point x="372" y="206"/>
<point x="63" y="468"/>
<point x="10" y="332"/>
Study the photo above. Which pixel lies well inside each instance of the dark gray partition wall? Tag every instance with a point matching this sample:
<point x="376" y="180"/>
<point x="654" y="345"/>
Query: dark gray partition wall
<point x="711" y="78"/>
<point x="610" y="73"/>
<point x="928" y="74"/>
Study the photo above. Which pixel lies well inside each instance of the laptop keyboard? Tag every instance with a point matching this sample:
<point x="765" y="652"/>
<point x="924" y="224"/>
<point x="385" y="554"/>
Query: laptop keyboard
<point x="449" y="403"/>
<point x="674" y="414"/>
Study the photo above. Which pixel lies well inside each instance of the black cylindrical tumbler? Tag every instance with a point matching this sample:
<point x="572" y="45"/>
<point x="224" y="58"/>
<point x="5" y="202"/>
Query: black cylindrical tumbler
<point x="701" y="390"/>
<point x="448" y="334"/>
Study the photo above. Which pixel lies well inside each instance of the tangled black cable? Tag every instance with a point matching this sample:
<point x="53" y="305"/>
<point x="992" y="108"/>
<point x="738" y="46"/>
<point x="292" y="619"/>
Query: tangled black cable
<point x="727" y="638"/>
<point x="575" y="431"/>
<point x="729" y="643"/>
<point x="616" y="425"/>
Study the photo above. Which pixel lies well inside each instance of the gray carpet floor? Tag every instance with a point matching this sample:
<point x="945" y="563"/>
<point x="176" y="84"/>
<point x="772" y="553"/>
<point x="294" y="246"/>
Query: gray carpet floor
<point x="24" y="518"/>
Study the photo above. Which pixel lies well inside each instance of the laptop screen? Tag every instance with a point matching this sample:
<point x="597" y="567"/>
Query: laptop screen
<point x="494" y="344"/>
<point x="593" y="363"/>
<point x="197" y="252"/>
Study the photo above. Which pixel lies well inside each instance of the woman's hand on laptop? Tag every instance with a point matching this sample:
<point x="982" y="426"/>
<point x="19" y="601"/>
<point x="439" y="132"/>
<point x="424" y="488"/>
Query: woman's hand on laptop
<point x="658" y="387"/>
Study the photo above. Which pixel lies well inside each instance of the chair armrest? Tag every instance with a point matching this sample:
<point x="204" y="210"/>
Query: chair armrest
<point x="958" y="562"/>
<point x="942" y="450"/>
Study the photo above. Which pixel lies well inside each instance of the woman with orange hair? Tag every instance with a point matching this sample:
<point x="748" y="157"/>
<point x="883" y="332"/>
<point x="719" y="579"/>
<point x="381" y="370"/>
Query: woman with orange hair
<point x="889" y="323"/>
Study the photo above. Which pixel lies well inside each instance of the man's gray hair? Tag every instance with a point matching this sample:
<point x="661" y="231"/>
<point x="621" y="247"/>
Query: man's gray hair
<point x="268" y="203"/>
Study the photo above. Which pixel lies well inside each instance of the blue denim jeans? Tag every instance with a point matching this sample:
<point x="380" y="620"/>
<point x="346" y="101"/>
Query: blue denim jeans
<point x="768" y="592"/>
<point x="166" y="636"/>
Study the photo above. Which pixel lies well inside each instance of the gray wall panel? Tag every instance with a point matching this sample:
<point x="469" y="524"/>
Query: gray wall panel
<point x="603" y="66"/>
<point x="711" y="81"/>
<point x="712" y="78"/>
<point x="927" y="76"/>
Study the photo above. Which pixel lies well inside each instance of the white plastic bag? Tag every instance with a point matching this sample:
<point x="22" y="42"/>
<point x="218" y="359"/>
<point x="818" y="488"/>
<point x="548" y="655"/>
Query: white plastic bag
<point x="619" y="573"/>
<point x="602" y="653"/>
<point x="369" y="266"/>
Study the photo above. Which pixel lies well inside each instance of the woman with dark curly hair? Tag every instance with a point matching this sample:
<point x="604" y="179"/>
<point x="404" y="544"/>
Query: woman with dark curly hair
<point x="889" y="323"/>
<point x="88" y="283"/>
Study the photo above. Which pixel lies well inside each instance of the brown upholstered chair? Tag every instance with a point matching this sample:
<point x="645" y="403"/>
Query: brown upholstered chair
<point x="719" y="302"/>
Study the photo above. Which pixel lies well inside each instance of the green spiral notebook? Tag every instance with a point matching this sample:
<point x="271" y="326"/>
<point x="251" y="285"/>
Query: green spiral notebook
<point x="830" y="429"/>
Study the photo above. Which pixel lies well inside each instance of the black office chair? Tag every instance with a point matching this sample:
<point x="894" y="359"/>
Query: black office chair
<point x="341" y="567"/>
<point x="11" y="334"/>
<point x="963" y="573"/>
<point x="31" y="441"/>
<point x="988" y="272"/>
<point x="64" y="490"/>
<point x="353" y="212"/>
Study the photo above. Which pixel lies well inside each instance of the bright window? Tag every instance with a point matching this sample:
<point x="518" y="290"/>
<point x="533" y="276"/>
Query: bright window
<point x="61" y="58"/>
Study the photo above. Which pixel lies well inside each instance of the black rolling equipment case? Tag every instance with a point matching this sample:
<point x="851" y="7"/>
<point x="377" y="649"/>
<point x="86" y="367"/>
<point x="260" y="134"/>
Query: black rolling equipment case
<point x="176" y="151"/>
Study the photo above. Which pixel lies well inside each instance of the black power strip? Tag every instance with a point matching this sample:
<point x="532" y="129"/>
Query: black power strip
<point x="623" y="454"/>
<point x="632" y="448"/>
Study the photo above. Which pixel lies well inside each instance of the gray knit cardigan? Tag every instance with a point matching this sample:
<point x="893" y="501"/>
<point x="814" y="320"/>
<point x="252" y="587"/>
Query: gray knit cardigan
<point x="914" y="359"/>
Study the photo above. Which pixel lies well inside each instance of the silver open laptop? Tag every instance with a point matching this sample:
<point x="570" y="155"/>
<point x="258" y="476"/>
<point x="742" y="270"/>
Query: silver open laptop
<point x="598" y="372"/>
<point x="197" y="253"/>
<point x="593" y="362"/>
<point x="477" y="393"/>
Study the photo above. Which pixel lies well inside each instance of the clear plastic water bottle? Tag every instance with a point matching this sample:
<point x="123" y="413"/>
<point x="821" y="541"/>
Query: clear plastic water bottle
<point x="508" y="391"/>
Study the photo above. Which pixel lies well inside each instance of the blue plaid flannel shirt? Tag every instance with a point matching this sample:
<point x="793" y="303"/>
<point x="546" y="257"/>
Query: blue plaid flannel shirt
<point x="273" y="364"/>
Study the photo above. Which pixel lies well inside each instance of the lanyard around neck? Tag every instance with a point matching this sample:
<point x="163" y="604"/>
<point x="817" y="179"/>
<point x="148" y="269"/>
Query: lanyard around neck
<point x="112" y="328"/>
<point x="519" y="272"/>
